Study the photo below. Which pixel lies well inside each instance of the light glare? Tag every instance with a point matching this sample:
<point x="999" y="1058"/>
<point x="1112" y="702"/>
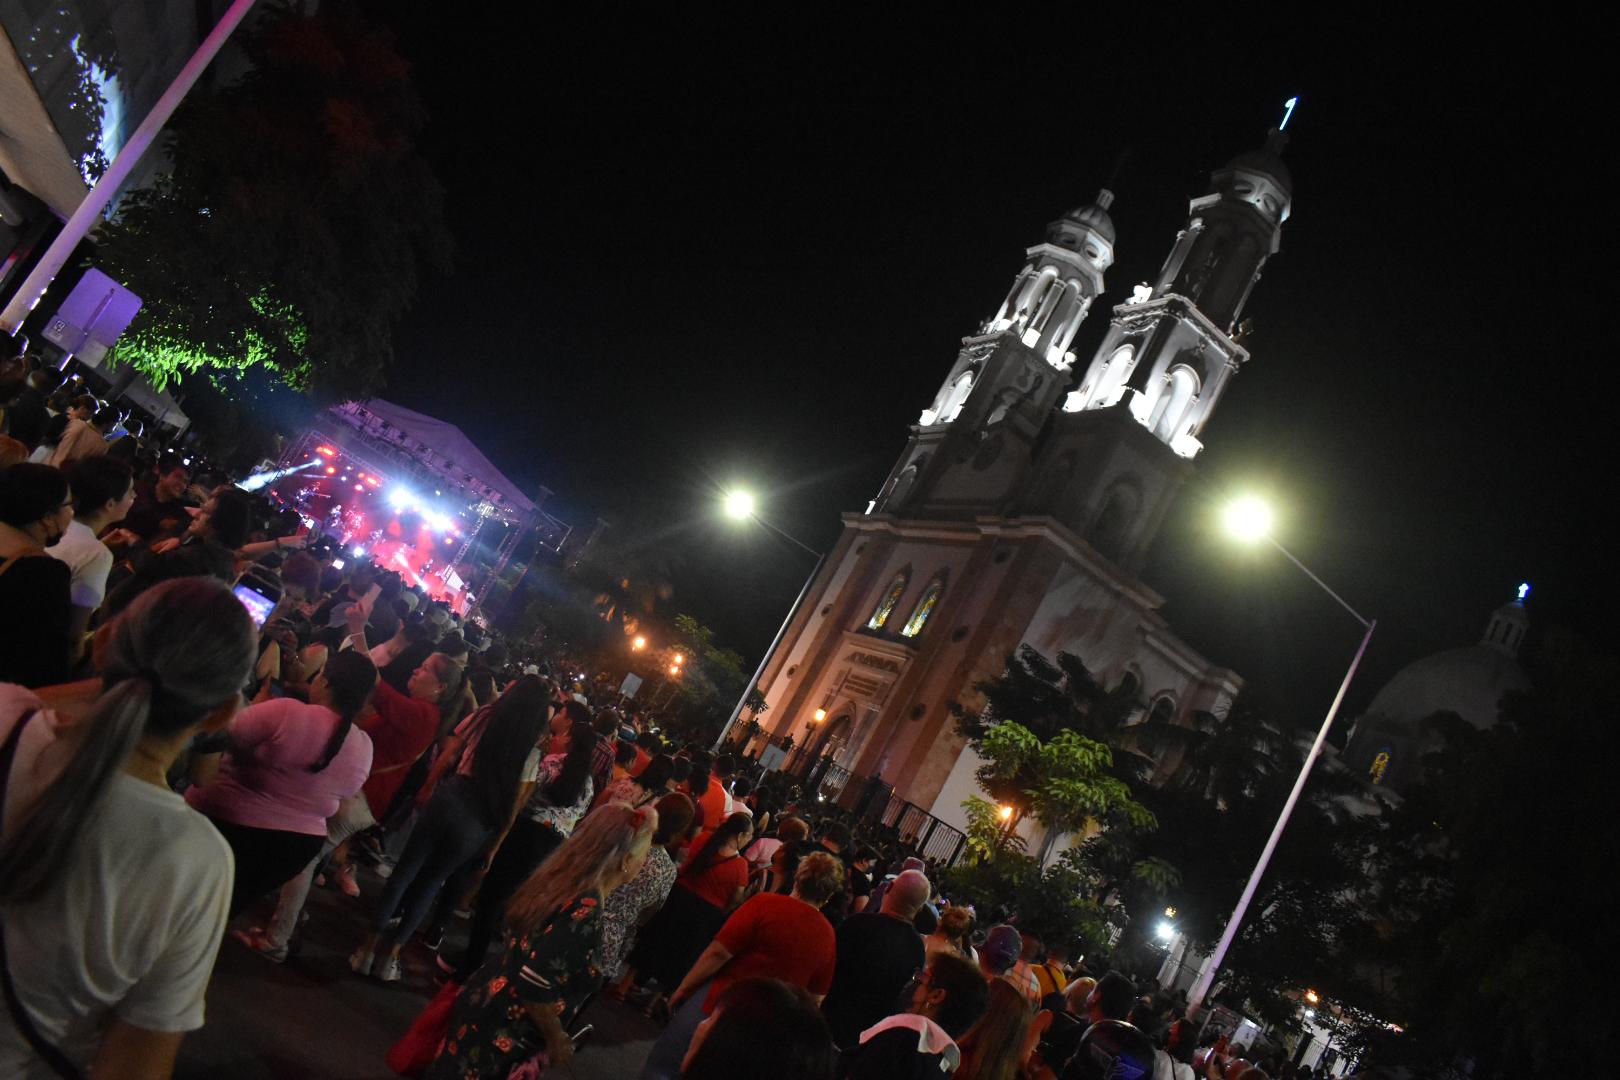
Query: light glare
<point x="1248" y="519"/>
<point x="1166" y="932"/>
<point x="739" y="505"/>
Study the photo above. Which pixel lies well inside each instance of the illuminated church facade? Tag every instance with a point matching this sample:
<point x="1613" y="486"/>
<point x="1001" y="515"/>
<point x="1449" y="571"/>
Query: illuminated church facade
<point x="1023" y="505"/>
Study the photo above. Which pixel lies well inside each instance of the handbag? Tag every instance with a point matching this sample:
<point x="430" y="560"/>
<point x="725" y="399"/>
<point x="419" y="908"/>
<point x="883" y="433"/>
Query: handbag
<point x="420" y="1044"/>
<point x="47" y="1051"/>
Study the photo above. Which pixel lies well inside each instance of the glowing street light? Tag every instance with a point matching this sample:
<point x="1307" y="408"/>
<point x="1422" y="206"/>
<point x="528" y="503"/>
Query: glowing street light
<point x="818" y="716"/>
<point x="1166" y="932"/>
<point x="680" y="659"/>
<point x="674" y="669"/>
<point x="1006" y="813"/>
<point x="739" y="505"/>
<point x="1312" y="997"/>
<point x="1248" y="519"/>
<point x="639" y="643"/>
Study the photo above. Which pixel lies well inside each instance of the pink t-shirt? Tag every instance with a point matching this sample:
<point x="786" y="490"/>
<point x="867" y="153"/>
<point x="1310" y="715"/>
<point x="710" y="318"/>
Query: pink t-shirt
<point x="264" y="781"/>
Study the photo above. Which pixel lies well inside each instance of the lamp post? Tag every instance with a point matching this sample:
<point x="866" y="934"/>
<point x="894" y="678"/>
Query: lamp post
<point x="1250" y="519"/>
<point x="740" y="506"/>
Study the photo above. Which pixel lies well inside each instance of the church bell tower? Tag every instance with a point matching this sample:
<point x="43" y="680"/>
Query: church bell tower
<point x="1124" y="442"/>
<point x="971" y="448"/>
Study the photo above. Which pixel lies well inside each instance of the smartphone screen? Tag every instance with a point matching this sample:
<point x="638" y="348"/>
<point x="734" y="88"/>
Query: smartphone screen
<point x="337" y="564"/>
<point x="258" y="605"/>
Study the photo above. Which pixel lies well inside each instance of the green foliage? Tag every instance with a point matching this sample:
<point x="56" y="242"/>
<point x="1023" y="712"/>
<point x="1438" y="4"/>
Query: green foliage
<point x="1053" y="903"/>
<point x="288" y="234"/>
<point x="1484" y="935"/>
<point x="986" y="832"/>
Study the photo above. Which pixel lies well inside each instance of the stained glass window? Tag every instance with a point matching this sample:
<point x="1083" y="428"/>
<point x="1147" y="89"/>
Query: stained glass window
<point x="885" y="608"/>
<point x="924" y="608"/>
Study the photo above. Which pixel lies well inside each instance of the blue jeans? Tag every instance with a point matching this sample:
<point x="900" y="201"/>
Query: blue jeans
<point x="449" y="833"/>
<point x="665" y="1057"/>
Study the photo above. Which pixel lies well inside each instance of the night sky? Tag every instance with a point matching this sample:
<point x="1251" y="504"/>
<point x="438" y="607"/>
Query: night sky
<point x="690" y="256"/>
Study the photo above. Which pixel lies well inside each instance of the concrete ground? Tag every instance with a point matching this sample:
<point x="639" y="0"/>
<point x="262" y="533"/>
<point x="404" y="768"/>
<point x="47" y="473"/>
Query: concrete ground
<point x="312" y="1019"/>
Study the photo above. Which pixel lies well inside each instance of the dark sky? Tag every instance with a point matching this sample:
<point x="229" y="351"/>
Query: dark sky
<point x="697" y="255"/>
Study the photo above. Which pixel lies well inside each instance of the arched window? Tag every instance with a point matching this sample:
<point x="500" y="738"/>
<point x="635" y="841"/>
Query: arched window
<point x="1181" y="387"/>
<point x="885" y="608"/>
<point x="951" y="407"/>
<point x="925" y="607"/>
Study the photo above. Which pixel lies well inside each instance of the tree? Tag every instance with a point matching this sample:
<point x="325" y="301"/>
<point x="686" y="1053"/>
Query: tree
<point x="1493" y="938"/>
<point x="1040" y="765"/>
<point x="712" y="679"/>
<point x="288" y="232"/>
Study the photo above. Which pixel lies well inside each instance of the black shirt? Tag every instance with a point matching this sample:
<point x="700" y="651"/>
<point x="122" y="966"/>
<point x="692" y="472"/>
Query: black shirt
<point x="150" y="517"/>
<point x="26" y="417"/>
<point x="35" y="630"/>
<point x="877" y="956"/>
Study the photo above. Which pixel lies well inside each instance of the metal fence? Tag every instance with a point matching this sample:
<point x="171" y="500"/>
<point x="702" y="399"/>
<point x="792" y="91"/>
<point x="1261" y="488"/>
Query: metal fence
<point x="870" y="799"/>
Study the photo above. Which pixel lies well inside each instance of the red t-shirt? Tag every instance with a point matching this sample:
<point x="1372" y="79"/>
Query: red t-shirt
<point x="718" y="882"/>
<point x="401" y="728"/>
<point x="776" y="937"/>
<point x="713" y="802"/>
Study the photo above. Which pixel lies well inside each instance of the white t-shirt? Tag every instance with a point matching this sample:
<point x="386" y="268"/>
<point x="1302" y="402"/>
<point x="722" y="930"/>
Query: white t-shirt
<point x="89" y="559"/>
<point x="131" y="928"/>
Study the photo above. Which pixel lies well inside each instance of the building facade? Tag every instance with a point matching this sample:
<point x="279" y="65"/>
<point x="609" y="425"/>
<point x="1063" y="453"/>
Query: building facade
<point x="1024" y="503"/>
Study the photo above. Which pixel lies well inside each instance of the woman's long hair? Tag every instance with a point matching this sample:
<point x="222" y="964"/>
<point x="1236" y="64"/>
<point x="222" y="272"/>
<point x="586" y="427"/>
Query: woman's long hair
<point x="991" y="1047"/>
<point x="351" y="677"/>
<point x="511" y="727"/>
<point x="765" y="1027"/>
<point x="698" y="779"/>
<point x="180" y="651"/>
<point x="596" y="847"/>
<point x="655" y="776"/>
<point x="709" y="854"/>
<point x="570" y="783"/>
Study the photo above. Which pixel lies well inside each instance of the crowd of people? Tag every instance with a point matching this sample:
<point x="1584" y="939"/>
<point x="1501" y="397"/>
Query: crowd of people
<point x="176" y="764"/>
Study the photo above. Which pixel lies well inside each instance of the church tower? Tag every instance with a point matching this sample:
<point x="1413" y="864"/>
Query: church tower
<point x="1123" y="446"/>
<point x="1018" y="514"/>
<point x="971" y="448"/>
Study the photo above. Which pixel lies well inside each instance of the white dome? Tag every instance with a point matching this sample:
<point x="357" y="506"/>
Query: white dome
<point x="1469" y="682"/>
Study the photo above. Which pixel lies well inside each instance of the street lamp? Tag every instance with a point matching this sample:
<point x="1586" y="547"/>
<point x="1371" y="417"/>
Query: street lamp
<point x="1250" y="519"/>
<point x="818" y="716"/>
<point x="639" y="643"/>
<point x="739" y="506"/>
<point x="1006" y="813"/>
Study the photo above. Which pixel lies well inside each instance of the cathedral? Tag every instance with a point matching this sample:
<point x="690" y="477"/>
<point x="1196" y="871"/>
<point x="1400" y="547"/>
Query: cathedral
<point x="1023" y="505"/>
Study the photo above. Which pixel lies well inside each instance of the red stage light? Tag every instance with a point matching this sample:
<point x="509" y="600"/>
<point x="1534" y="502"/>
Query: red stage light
<point x="330" y="471"/>
<point x="325" y="451"/>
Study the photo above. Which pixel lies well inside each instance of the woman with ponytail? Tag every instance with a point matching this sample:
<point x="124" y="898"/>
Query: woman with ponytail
<point x="495" y="752"/>
<point x="289" y="766"/>
<point x="113" y="893"/>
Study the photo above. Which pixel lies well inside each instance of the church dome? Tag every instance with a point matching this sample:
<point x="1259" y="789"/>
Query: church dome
<point x="1092" y="216"/>
<point x="1468" y="681"/>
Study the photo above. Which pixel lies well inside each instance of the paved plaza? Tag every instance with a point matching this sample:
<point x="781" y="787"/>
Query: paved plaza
<point x="311" y="1019"/>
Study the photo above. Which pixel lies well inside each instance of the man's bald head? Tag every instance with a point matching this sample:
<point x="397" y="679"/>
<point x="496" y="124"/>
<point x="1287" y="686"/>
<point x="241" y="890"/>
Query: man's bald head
<point x="907" y="895"/>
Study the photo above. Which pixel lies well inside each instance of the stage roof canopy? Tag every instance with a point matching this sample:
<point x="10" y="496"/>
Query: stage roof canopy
<point x="449" y="443"/>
